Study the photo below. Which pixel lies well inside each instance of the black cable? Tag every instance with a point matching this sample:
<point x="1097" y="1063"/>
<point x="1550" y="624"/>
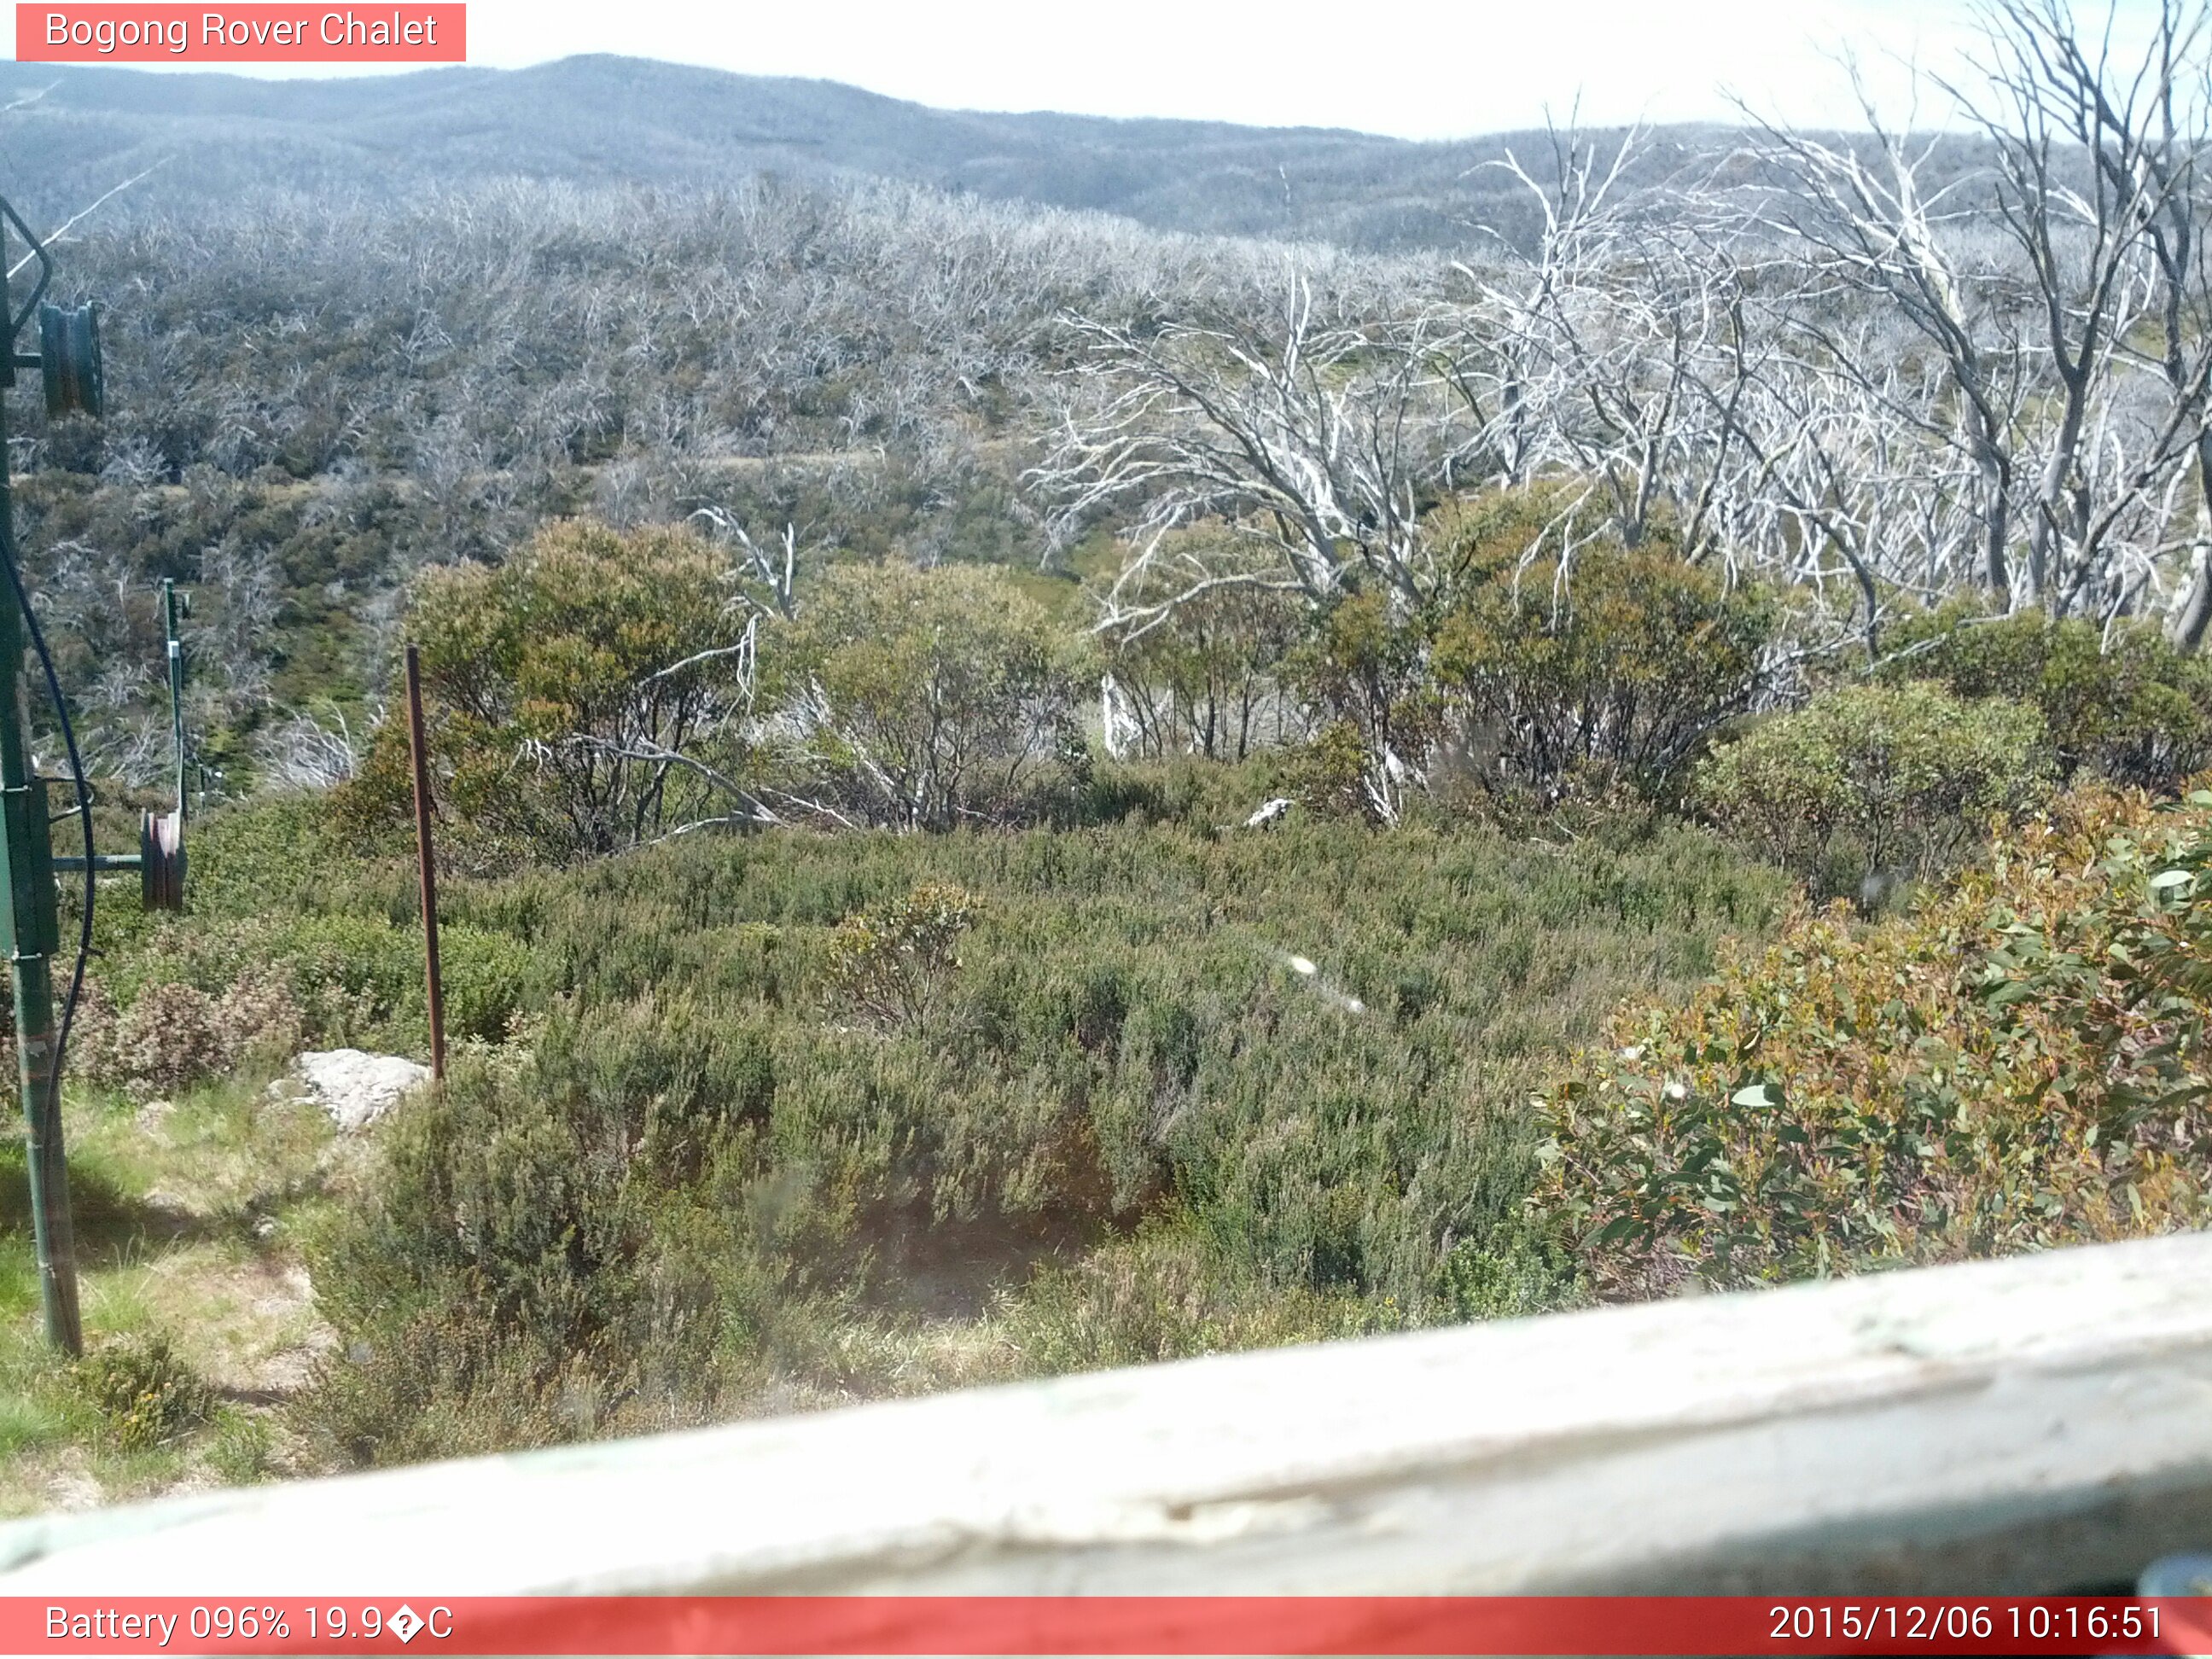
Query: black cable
<point x="14" y="321"/>
<point x="38" y="639"/>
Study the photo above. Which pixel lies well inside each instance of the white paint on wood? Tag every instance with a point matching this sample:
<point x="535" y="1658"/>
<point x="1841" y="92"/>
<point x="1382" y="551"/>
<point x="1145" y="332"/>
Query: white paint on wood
<point x="2022" y="1425"/>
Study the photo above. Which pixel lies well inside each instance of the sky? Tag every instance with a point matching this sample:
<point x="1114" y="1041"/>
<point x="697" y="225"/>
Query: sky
<point x="1415" y="68"/>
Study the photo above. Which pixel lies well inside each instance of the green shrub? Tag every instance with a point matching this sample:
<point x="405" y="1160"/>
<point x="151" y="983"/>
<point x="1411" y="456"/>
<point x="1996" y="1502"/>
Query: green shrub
<point x="1329" y="773"/>
<point x="214" y="992"/>
<point x="2120" y="704"/>
<point x="890" y="961"/>
<point x="145" y="1391"/>
<point x="1206" y="677"/>
<point x="1901" y="776"/>
<point x="555" y="683"/>
<point x="485" y="977"/>
<point x="1510" y="1275"/>
<point x="928" y="697"/>
<point x="1169" y="1293"/>
<point x="243" y="1450"/>
<point x="523" y="1272"/>
<point x="690" y="1188"/>
<point x="174" y="1034"/>
<point x="2019" y="1062"/>
<point x="1615" y="668"/>
<point x="287" y="849"/>
<point x="1367" y="668"/>
<point x="1182" y="791"/>
<point x="318" y="957"/>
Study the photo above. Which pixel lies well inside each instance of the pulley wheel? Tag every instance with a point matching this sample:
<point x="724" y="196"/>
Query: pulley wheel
<point x="161" y="861"/>
<point x="69" y="359"/>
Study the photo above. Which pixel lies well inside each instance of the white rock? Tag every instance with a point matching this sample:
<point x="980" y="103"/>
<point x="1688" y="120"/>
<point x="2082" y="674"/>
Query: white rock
<point x="1269" y="814"/>
<point x="356" y="1087"/>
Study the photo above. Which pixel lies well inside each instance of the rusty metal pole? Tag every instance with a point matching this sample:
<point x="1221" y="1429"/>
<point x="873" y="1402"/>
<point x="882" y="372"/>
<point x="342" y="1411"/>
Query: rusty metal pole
<point x="435" y="991"/>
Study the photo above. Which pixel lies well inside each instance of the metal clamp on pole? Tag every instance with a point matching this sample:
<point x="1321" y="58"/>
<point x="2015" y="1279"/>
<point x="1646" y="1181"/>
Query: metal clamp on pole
<point x="161" y="861"/>
<point x="69" y="362"/>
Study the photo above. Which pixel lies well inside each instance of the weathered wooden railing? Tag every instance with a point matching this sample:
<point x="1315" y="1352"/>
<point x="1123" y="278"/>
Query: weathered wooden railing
<point x="2026" y="1426"/>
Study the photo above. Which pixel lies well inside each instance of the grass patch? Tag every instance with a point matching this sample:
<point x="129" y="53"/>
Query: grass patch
<point x="191" y="1291"/>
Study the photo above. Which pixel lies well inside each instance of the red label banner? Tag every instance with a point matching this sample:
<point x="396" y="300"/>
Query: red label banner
<point x="310" y="34"/>
<point x="1104" y="1625"/>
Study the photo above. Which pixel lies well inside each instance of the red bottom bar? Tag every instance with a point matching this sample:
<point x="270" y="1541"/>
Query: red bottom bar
<point x="752" y="1626"/>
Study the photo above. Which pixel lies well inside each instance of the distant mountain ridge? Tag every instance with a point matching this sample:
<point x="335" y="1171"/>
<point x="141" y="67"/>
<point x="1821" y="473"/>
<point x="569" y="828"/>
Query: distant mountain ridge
<point x="599" y="121"/>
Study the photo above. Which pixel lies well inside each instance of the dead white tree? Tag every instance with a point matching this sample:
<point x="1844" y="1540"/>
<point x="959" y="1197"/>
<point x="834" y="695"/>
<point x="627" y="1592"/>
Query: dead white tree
<point x="1316" y="428"/>
<point x="2142" y="125"/>
<point x="1317" y="432"/>
<point x="1851" y="495"/>
<point x="1516" y="339"/>
<point x="304" y="752"/>
<point x="2060" y="287"/>
<point x="1594" y="355"/>
<point x="2090" y="155"/>
<point x="773" y="574"/>
<point x="1870" y="224"/>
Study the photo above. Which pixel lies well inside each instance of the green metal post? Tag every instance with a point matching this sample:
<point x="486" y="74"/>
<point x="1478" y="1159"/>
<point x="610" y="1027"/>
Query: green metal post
<point x="176" y="684"/>
<point x="30" y="930"/>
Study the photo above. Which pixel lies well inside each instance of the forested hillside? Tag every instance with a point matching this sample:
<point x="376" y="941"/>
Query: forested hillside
<point x="1024" y="783"/>
<point x="602" y="121"/>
